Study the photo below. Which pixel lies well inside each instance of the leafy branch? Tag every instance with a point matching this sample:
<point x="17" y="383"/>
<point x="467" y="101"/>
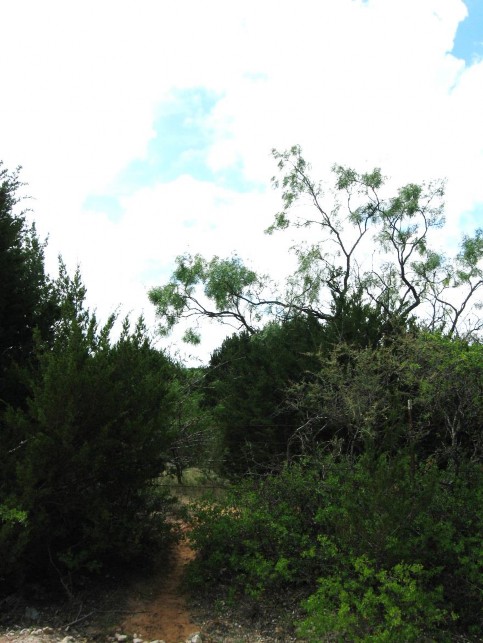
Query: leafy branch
<point x="369" y="248"/>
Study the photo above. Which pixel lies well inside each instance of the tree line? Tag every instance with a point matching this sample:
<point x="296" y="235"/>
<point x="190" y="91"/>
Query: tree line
<point x="350" y="402"/>
<point x="346" y="412"/>
<point x="86" y="422"/>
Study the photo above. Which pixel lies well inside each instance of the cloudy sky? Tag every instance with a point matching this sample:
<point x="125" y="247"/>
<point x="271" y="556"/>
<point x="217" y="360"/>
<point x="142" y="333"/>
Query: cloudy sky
<point x="144" y="128"/>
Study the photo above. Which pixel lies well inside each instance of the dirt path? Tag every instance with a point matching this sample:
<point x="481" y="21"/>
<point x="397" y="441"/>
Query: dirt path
<point x="156" y="610"/>
<point x="161" y="612"/>
<point x="149" y="609"/>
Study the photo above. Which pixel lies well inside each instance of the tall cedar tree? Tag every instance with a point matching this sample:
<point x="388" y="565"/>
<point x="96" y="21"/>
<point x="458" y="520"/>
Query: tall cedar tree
<point x="248" y="377"/>
<point x="28" y="305"/>
<point x="27" y="298"/>
<point x="95" y="429"/>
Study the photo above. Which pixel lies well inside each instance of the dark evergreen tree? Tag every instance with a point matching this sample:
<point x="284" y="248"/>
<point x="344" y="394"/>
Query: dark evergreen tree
<point x="94" y="432"/>
<point x="27" y="298"/>
<point x="249" y="375"/>
<point x="28" y="306"/>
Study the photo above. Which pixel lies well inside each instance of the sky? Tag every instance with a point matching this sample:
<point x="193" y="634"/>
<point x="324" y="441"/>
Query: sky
<point x="145" y="129"/>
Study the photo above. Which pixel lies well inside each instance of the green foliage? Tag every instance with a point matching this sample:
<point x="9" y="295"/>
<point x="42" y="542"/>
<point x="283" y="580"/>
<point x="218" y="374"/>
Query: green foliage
<point x="379" y="504"/>
<point x="447" y="379"/>
<point x="28" y="307"/>
<point x="364" y="378"/>
<point x="194" y="439"/>
<point x="472" y="250"/>
<point x="191" y="337"/>
<point x="364" y="604"/>
<point x="381" y="550"/>
<point x="359" y="396"/>
<point x="247" y="378"/>
<point x="27" y="299"/>
<point x="8" y="515"/>
<point x="357" y="392"/>
<point x="364" y="246"/>
<point x="93" y="434"/>
<point x="226" y="282"/>
<point x="255" y="540"/>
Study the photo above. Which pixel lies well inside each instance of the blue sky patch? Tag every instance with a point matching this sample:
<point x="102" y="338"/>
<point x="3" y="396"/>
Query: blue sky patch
<point x="182" y="141"/>
<point x="104" y="203"/>
<point x="468" y="43"/>
<point x="473" y="219"/>
<point x="181" y="146"/>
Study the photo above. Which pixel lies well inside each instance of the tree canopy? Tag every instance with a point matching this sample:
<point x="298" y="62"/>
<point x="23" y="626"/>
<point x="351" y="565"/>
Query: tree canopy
<point x="85" y="421"/>
<point x="27" y="295"/>
<point x="369" y="248"/>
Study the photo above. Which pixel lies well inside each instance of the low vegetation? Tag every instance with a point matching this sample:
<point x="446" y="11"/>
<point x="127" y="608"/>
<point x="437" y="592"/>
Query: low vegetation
<point x="378" y="551"/>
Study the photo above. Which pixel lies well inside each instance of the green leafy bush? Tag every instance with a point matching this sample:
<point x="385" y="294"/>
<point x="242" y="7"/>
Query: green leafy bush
<point x="359" y="603"/>
<point x="312" y="527"/>
<point x="259" y="537"/>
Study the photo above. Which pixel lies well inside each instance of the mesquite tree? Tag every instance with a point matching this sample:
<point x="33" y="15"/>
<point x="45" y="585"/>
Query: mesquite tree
<point x="368" y="248"/>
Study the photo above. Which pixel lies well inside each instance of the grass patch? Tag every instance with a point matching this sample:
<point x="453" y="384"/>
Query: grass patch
<point x="195" y="484"/>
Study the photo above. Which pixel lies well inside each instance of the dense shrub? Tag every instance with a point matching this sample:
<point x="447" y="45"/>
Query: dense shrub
<point x="248" y="376"/>
<point x="90" y="447"/>
<point x="359" y="603"/>
<point x="256" y="538"/>
<point x="367" y="539"/>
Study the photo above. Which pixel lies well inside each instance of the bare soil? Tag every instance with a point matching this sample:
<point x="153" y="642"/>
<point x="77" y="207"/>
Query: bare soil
<point x="153" y="606"/>
<point x="158" y="610"/>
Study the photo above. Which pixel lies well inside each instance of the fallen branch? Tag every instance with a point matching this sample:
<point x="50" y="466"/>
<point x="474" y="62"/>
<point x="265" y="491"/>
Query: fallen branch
<point x="78" y="620"/>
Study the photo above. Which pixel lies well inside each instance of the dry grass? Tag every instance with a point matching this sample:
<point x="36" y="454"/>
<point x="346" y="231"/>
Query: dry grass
<point x="195" y="484"/>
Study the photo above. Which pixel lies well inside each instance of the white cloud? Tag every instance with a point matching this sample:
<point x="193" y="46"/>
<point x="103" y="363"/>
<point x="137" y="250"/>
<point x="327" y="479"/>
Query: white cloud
<point x="359" y="83"/>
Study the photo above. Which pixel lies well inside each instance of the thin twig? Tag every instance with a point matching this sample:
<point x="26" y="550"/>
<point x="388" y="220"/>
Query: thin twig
<point x="83" y="618"/>
<point x="78" y="620"/>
